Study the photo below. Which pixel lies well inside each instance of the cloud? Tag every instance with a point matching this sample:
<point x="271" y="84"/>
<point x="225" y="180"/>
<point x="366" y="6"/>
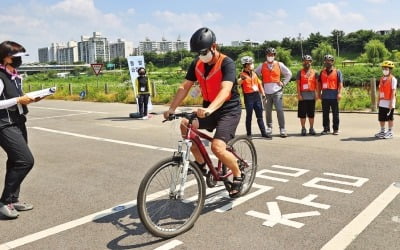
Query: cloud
<point x="37" y="25"/>
<point x="376" y="1"/>
<point x="329" y="12"/>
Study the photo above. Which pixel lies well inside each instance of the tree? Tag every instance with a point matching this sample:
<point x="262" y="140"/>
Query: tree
<point x="355" y="41"/>
<point x="392" y="40"/>
<point x="336" y="39"/>
<point x="283" y="55"/>
<point x="376" y="52"/>
<point x="313" y="41"/>
<point x="323" y="49"/>
<point x="185" y="63"/>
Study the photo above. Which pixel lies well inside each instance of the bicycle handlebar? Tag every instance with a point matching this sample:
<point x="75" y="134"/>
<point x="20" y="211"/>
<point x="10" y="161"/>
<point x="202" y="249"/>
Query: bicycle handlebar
<point x="188" y="115"/>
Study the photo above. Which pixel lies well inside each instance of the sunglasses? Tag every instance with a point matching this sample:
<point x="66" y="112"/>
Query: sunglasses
<point x="203" y="52"/>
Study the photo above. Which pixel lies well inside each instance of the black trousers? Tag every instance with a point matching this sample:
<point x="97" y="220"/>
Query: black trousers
<point x="143" y="100"/>
<point x="327" y="105"/>
<point x="252" y="101"/>
<point x="13" y="139"/>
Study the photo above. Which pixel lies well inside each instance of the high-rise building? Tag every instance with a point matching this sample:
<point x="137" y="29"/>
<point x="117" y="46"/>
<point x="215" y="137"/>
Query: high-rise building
<point x="162" y="46"/>
<point x="245" y="42"/>
<point x="121" y="48"/>
<point x="94" y="49"/>
<point x="68" y="54"/>
<point x="49" y="54"/>
<point x="43" y="55"/>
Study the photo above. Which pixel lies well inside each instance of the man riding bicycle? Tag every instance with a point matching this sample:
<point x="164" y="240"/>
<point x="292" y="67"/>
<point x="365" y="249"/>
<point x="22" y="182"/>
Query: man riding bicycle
<point x="221" y="108"/>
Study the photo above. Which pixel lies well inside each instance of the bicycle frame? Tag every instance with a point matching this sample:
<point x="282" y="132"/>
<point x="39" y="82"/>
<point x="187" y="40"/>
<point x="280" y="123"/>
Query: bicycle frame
<point x="195" y="136"/>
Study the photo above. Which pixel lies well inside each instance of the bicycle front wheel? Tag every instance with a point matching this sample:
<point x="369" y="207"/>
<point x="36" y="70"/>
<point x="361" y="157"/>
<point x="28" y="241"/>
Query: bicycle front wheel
<point x="163" y="208"/>
<point x="243" y="148"/>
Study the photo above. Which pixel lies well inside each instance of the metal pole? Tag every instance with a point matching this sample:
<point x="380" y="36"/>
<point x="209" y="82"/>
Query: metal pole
<point x="373" y="94"/>
<point x="337" y="42"/>
<point x="301" y="44"/>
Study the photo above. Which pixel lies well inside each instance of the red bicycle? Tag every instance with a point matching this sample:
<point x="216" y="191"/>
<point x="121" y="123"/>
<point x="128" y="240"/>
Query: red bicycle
<point x="172" y="193"/>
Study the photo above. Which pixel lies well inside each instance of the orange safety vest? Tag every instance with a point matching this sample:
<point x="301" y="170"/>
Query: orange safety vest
<point x="251" y="83"/>
<point x="329" y="81"/>
<point x="308" y="82"/>
<point x="210" y="85"/>
<point x="385" y="88"/>
<point x="271" y="75"/>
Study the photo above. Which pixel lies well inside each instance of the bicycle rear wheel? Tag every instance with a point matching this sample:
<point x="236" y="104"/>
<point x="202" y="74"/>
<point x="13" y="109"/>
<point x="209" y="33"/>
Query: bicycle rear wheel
<point x="162" y="209"/>
<point x="244" y="149"/>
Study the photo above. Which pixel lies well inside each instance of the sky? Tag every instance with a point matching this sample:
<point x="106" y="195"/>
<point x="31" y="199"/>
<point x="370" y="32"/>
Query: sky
<point x="38" y="23"/>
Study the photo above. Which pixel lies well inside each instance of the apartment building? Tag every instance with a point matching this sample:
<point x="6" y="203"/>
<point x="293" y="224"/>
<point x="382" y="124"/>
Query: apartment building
<point x="94" y="49"/>
<point x="121" y="48"/>
<point x="162" y="46"/>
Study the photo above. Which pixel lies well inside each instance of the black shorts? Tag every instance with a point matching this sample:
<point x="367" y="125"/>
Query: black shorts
<point x="306" y="108"/>
<point x="224" y="121"/>
<point x="385" y="114"/>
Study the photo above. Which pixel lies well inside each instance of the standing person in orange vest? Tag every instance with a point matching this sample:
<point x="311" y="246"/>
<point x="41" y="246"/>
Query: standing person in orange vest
<point x="387" y="100"/>
<point x="307" y="82"/>
<point x="331" y="85"/>
<point x="271" y="72"/>
<point x="216" y="74"/>
<point x="252" y="89"/>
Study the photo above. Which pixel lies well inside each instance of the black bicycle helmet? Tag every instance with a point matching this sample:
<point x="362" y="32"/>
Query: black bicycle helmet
<point x="307" y="58"/>
<point x="141" y="68"/>
<point x="329" y="57"/>
<point x="202" y="39"/>
<point x="270" y="51"/>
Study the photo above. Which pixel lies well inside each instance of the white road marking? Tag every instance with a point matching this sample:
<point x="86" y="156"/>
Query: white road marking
<point x="359" y="181"/>
<point x="359" y="223"/>
<point x="236" y="202"/>
<point x="66" y="226"/>
<point x="72" y="110"/>
<point x="169" y="245"/>
<point x="103" y="139"/>
<point x="55" y="116"/>
<point x="307" y="201"/>
<point x="276" y="217"/>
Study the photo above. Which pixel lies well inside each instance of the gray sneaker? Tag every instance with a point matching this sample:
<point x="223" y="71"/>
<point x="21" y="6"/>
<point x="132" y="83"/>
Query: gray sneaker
<point x="303" y="131"/>
<point x="8" y="210"/>
<point x="268" y="130"/>
<point x="325" y="132"/>
<point x="380" y="135"/>
<point x="388" y="135"/>
<point x="22" y="206"/>
<point x="312" y="131"/>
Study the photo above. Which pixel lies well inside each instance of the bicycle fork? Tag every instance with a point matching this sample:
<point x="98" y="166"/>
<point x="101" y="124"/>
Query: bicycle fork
<point x="179" y="176"/>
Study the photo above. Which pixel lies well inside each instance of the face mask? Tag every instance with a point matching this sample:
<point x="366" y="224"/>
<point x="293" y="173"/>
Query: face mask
<point x="251" y="66"/>
<point x="16" y="62"/>
<point x="142" y="73"/>
<point x="207" y="58"/>
<point x="385" y="72"/>
<point x="270" y="58"/>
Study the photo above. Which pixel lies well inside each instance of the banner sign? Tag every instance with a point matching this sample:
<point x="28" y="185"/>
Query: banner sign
<point x="135" y="62"/>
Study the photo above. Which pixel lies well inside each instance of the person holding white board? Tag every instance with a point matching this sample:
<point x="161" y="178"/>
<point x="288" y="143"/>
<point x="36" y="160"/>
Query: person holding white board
<point x="13" y="132"/>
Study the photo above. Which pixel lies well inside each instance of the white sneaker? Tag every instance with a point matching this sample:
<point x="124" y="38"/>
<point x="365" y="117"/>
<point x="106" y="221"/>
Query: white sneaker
<point x="283" y="133"/>
<point x="388" y="135"/>
<point x="8" y="211"/>
<point x="268" y="131"/>
<point x="144" y="118"/>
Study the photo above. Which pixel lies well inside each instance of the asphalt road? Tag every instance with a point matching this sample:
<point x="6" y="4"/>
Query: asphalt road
<point x="311" y="192"/>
